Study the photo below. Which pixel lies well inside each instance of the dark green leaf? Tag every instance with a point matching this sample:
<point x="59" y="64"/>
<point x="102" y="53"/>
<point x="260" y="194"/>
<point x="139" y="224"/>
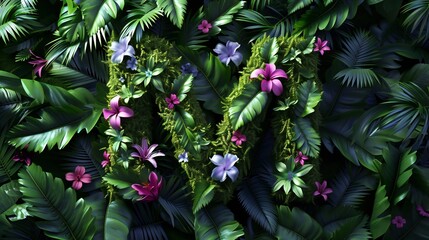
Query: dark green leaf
<point x="306" y="138"/>
<point x="309" y="96"/>
<point x="203" y="194"/>
<point x="182" y="85"/>
<point x="174" y="9"/>
<point x="269" y="51"/>
<point x="297" y="224"/>
<point x="380" y="220"/>
<point x="118" y="221"/>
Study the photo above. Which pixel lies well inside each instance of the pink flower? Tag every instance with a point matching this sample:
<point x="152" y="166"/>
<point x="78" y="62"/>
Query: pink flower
<point x="116" y="113"/>
<point x="322" y="190"/>
<point x="320" y="46"/>
<point x="238" y="138"/>
<point x="78" y="177"/>
<point x="22" y="156"/>
<point x="204" y="26"/>
<point x="149" y="191"/>
<point x="172" y="100"/>
<point x="301" y="158"/>
<point x="106" y="159"/>
<point x="422" y="211"/>
<point x="145" y="152"/>
<point x="398" y="221"/>
<point x="38" y="63"/>
<point x="270" y="79"/>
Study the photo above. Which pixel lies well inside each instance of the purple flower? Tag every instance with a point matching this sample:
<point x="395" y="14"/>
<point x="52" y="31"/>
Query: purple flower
<point x="322" y="190"/>
<point x="204" y="26"/>
<point x="145" y="152"/>
<point x="238" y="138"/>
<point x="172" y="100"/>
<point x="22" y="156"/>
<point x="301" y="158"/>
<point x="398" y="221"/>
<point x="116" y="113"/>
<point x="320" y="46"/>
<point x="229" y="53"/>
<point x="38" y="63"/>
<point x="121" y="49"/>
<point x="225" y="166"/>
<point x="132" y="64"/>
<point x="422" y="211"/>
<point x="183" y="157"/>
<point x="189" y="69"/>
<point x="149" y="191"/>
<point x="78" y="177"/>
<point x="106" y="159"/>
<point x="270" y="78"/>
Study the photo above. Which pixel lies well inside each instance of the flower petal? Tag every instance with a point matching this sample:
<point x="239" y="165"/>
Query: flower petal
<point x="79" y="171"/>
<point x="230" y="160"/>
<point x="232" y="47"/>
<point x="219" y="174"/>
<point x="77" y="185"/>
<point x="257" y="72"/>
<point x="108" y="113"/>
<point x="266" y="86"/>
<point x="86" y="178"/>
<point x="220" y="49"/>
<point x="278" y="73"/>
<point x="233" y="173"/>
<point x="237" y="58"/>
<point x="114" y="103"/>
<point x="125" y="112"/>
<point x="277" y="87"/>
<point x="153" y="178"/>
<point x="152" y="161"/>
<point x="117" y="57"/>
<point x="70" y="176"/>
<point x="269" y="69"/>
<point x="141" y="190"/>
<point x="115" y="122"/>
<point x="217" y="160"/>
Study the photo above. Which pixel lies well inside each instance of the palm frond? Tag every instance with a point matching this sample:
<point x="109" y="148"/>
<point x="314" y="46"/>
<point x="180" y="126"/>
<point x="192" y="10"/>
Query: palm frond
<point x="297" y="224"/>
<point x="174" y="9"/>
<point x="62" y="214"/>
<point x="259" y="5"/>
<point x="306" y="137"/>
<point x="9" y="194"/>
<point x="139" y="19"/>
<point x="295" y="5"/>
<point x="221" y="12"/>
<point x="147" y="223"/>
<point x="97" y="13"/>
<point x="418" y="14"/>
<point x="8" y="167"/>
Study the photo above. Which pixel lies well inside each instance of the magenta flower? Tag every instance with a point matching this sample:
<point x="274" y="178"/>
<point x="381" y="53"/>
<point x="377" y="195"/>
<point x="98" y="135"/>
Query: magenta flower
<point x="145" y="152"/>
<point x="116" y="113"/>
<point x="121" y="49"/>
<point x="106" y="159"/>
<point x="149" y="191"/>
<point x="301" y="158"/>
<point x="225" y="166"/>
<point x="22" y="156"/>
<point x="422" y="211"/>
<point x="270" y="78"/>
<point x="204" y="26"/>
<point x="238" y="138"/>
<point x="398" y="221"/>
<point x="322" y="190"/>
<point x="320" y="46"/>
<point x="78" y="177"/>
<point x="38" y="63"/>
<point x="172" y="100"/>
<point x="229" y="53"/>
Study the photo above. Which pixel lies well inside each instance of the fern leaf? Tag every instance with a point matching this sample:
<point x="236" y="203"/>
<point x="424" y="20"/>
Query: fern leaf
<point x="308" y="97"/>
<point x="184" y="123"/>
<point x="247" y="106"/>
<point x="211" y="85"/>
<point x="16" y="20"/>
<point x="9" y="195"/>
<point x="98" y="205"/>
<point x="296" y="224"/>
<point x="182" y="85"/>
<point x="71" y="26"/>
<point x="380" y="220"/>
<point x="174" y="9"/>
<point x="256" y="199"/>
<point x="139" y="19"/>
<point x="326" y="17"/>
<point x="8" y="167"/>
<point x="306" y="138"/>
<point x="63" y="216"/>
<point x="216" y="222"/>
<point x="418" y="13"/>
<point x="269" y="51"/>
<point x="259" y="5"/>
<point x="295" y="5"/>
<point x="220" y="12"/>
<point x="118" y="221"/>
<point x="203" y="194"/>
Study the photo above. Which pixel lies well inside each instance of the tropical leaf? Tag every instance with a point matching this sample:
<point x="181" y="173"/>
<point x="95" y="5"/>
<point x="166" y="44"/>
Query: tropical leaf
<point x="295" y="5"/>
<point x="139" y="19"/>
<point x="260" y="25"/>
<point x="309" y="96"/>
<point x="8" y="167"/>
<point x="326" y="17"/>
<point x="122" y="179"/>
<point x="189" y="35"/>
<point x="418" y="74"/>
<point x="216" y="222"/>
<point x="99" y="12"/>
<point x="297" y="224"/>
<point x="360" y="54"/>
<point x="396" y="172"/>
<point x="16" y="20"/>
<point x="306" y="138"/>
<point x="184" y="124"/>
<point x="182" y="85"/>
<point x="118" y="221"/>
<point x="63" y="216"/>
<point x="71" y="26"/>
<point x="98" y="205"/>
<point x="380" y="219"/>
<point x="247" y="106"/>
<point x="9" y="195"/>
<point x="256" y="200"/>
<point x="269" y="51"/>
<point x="147" y="223"/>
<point x="220" y="12"/>
<point x="343" y="223"/>
<point x="417" y="11"/>
<point x="12" y="107"/>
<point x="259" y="5"/>
<point x="174" y="9"/>
<point x="203" y="195"/>
<point x="211" y="84"/>
<point x="351" y="187"/>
